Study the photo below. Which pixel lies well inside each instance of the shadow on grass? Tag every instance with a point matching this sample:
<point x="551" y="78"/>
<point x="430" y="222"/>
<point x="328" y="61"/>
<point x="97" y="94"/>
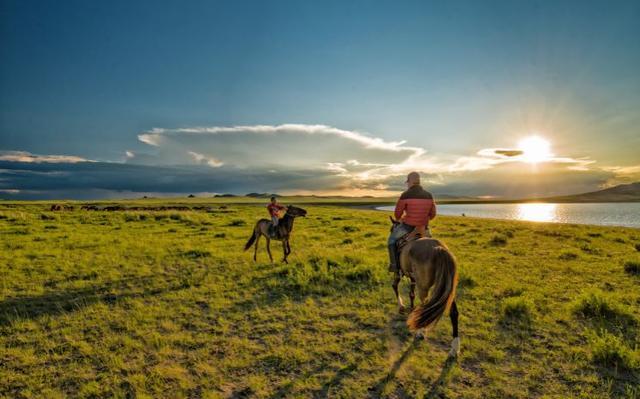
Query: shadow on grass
<point x="70" y="300"/>
<point x="376" y="390"/>
<point x="618" y="380"/>
<point x="436" y="388"/>
<point x="443" y="379"/>
<point x="325" y="392"/>
<point x="337" y="379"/>
<point x="330" y="388"/>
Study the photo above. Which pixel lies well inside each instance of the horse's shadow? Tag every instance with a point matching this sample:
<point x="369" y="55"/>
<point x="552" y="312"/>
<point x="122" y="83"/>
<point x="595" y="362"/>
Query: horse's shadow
<point x="439" y="384"/>
<point x="436" y="388"/>
<point x="376" y="390"/>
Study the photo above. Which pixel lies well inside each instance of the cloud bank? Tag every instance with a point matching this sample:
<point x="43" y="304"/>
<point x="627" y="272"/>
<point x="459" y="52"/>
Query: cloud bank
<point x="294" y="158"/>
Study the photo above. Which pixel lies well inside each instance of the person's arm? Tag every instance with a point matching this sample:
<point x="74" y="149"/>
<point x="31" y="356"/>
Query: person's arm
<point x="432" y="212"/>
<point x="400" y="207"/>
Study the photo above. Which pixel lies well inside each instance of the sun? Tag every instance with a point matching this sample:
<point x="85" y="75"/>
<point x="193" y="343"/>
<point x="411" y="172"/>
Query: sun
<point x="535" y="149"/>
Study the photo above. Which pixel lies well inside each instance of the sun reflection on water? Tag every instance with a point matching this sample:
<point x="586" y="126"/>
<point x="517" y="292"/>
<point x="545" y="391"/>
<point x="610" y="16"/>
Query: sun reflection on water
<point x="537" y="212"/>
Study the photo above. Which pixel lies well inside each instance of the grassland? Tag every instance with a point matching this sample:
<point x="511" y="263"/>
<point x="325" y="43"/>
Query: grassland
<point x="164" y="304"/>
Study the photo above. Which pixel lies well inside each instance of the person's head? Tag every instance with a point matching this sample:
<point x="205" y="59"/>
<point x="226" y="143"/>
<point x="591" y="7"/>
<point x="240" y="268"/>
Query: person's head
<point x="413" y="178"/>
<point x="273" y="200"/>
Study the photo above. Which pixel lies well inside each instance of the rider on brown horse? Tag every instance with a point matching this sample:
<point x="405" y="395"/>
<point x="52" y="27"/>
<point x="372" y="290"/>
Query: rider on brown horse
<point x="415" y="207"/>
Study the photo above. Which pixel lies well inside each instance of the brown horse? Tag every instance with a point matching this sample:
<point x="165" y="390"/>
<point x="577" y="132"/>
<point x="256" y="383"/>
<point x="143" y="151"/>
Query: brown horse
<point x="429" y="263"/>
<point x="283" y="232"/>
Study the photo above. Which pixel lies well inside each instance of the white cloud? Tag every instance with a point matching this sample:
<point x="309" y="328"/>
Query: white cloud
<point x="359" y="159"/>
<point x="502" y="155"/>
<point x="203" y="159"/>
<point x="622" y="174"/>
<point x="27" y="157"/>
<point x="288" y="146"/>
<point x="155" y="135"/>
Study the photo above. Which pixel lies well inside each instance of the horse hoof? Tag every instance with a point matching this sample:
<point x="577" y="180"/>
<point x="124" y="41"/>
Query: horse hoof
<point x="401" y="309"/>
<point x="420" y="335"/>
<point x="455" y="347"/>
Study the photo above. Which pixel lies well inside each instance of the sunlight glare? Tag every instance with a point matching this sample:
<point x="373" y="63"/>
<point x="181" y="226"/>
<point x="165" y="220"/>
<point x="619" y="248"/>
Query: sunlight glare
<point x="536" y="212"/>
<point x="535" y="149"/>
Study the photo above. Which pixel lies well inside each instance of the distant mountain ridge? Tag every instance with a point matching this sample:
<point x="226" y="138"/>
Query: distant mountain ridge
<point x="621" y="193"/>
<point x="261" y="195"/>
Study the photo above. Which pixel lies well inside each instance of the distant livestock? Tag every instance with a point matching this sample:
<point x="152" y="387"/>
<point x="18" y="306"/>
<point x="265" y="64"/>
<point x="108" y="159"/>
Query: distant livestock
<point x="61" y="207"/>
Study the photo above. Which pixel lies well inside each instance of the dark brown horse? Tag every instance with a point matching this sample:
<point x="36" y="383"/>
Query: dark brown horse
<point x="430" y="266"/>
<point x="282" y="233"/>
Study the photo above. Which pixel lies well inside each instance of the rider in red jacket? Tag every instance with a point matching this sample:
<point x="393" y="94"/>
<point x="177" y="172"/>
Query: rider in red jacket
<point x="415" y="208"/>
<point x="274" y="211"/>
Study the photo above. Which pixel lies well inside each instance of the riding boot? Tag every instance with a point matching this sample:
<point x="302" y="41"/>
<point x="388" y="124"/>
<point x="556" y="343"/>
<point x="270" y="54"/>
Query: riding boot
<point x="392" y="263"/>
<point x="393" y="266"/>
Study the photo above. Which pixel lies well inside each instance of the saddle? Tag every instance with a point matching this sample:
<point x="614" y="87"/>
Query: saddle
<point x="274" y="231"/>
<point x="407" y="238"/>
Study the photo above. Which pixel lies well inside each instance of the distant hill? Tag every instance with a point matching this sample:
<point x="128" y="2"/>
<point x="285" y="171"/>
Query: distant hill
<point x="621" y="193"/>
<point x="261" y="195"/>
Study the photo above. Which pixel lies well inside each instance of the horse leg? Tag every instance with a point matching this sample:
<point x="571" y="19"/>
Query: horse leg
<point x="288" y="247"/>
<point x="396" y="281"/>
<point x="284" y="251"/>
<point x="269" y="249"/>
<point x="255" y="251"/>
<point x="412" y="292"/>
<point x="422" y="295"/>
<point x="455" y="344"/>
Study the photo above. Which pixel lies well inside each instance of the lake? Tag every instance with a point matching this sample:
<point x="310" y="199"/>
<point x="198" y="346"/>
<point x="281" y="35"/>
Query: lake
<point x="604" y="214"/>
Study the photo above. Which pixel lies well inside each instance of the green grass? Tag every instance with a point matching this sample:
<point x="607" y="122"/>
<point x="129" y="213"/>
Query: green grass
<point x="612" y="352"/>
<point x="632" y="267"/>
<point x="518" y="309"/>
<point x="164" y="304"/>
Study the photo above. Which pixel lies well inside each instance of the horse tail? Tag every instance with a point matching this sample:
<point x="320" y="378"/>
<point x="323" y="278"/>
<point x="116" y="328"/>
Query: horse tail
<point x="252" y="239"/>
<point x="444" y="291"/>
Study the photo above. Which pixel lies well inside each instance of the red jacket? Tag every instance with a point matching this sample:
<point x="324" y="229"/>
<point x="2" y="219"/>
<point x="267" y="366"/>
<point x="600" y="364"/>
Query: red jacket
<point x="417" y="205"/>
<point x="274" y="209"/>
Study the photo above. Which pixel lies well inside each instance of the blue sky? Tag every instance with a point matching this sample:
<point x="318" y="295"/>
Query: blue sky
<point x="88" y="79"/>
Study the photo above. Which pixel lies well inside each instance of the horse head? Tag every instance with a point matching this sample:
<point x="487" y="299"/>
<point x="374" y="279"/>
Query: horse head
<point x="295" y="211"/>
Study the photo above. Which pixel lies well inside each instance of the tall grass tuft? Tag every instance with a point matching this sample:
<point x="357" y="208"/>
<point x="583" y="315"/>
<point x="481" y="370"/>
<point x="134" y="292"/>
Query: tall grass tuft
<point x="610" y="350"/>
<point x="517" y="310"/>
<point x="632" y="267"/>
<point x="568" y="255"/>
<point x="498" y="240"/>
<point x="196" y="254"/>
<point x="595" y="304"/>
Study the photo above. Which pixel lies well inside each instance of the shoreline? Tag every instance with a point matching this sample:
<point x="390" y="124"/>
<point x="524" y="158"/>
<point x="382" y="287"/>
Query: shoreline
<point x="462" y="215"/>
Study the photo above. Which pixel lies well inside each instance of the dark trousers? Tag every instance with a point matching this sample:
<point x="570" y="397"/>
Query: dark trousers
<point x="395" y="235"/>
